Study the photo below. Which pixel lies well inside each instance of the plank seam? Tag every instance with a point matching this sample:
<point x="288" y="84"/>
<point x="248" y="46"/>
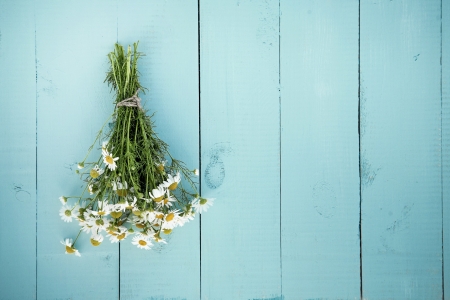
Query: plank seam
<point x="199" y="143"/>
<point x="359" y="153"/>
<point x="442" y="169"/>
<point x="36" y="141"/>
<point x="279" y="125"/>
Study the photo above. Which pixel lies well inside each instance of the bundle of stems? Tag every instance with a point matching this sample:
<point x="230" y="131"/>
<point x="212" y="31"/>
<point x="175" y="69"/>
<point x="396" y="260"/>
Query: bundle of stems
<point x="135" y="187"/>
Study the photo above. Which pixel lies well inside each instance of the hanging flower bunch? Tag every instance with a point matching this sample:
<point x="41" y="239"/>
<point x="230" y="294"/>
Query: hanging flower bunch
<point x="135" y="187"/>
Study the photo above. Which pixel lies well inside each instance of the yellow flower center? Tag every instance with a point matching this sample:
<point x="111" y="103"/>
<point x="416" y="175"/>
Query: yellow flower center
<point x="136" y="212"/>
<point x="116" y="214"/>
<point x="101" y="213"/>
<point x="158" y="199"/>
<point x="70" y="250"/>
<point x="142" y="242"/>
<point x="121" y="236"/>
<point x="109" y="159"/>
<point x="167" y="231"/>
<point x="94" y="173"/>
<point x="203" y="201"/>
<point x="68" y="213"/>
<point x="112" y="232"/>
<point x="122" y="192"/>
<point x="95" y="243"/>
<point x="161" y="167"/>
<point x="173" y="186"/>
<point x="169" y="217"/>
<point x="99" y="222"/>
<point x="160" y="216"/>
<point x="140" y="225"/>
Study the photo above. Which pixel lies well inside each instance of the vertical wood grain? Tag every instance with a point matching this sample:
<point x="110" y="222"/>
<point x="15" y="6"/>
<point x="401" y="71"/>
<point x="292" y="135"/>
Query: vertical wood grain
<point x="17" y="150"/>
<point x="319" y="147"/>
<point x="445" y="67"/>
<point x="240" y="234"/>
<point x="73" y="40"/>
<point x="168" y="35"/>
<point x="401" y="150"/>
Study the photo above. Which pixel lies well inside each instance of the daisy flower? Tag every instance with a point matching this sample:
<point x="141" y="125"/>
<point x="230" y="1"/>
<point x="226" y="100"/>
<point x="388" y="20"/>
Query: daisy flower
<point x="172" y="181"/>
<point x="96" y="239"/>
<point x="66" y="213"/>
<point x="142" y="242"/>
<point x="120" y="188"/>
<point x="170" y="220"/>
<point x="118" y="235"/>
<point x="63" y="200"/>
<point x="158" y="238"/>
<point x="96" y="171"/>
<point x="202" y="204"/>
<point x="109" y="160"/>
<point x="167" y="201"/>
<point x="158" y="193"/>
<point x="160" y="165"/>
<point x="69" y="248"/>
<point x="103" y="209"/>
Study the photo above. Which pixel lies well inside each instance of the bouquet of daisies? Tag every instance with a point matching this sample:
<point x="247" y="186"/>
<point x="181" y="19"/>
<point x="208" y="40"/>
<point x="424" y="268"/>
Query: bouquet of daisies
<point x="135" y="187"/>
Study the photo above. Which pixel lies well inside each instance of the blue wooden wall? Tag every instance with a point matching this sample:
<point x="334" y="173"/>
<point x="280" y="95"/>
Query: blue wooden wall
<point x="322" y="128"/>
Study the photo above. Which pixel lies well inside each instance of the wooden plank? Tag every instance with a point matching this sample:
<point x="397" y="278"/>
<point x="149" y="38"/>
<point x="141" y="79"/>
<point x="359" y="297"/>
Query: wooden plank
<point x="401" y="150"/>
<point x="18" y="150"/>
<point x="445" y="55"/>
<point x="240" y="234"/>
<point x="73" y="40"/>
<point x="168" y="35"/>
<point x="319" y="143"/>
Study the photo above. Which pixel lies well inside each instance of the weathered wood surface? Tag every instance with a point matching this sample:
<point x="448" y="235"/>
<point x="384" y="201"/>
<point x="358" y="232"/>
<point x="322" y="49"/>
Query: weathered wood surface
<point x="401" y="150"/>
<point x="307" y="118"/>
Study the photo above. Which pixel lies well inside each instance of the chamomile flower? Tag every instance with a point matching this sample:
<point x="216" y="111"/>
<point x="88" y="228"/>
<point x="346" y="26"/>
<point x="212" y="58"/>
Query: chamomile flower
<point x="69" y="247"/>
<point x="96" y="239"/>
<point x="157" y="237"/>
<point x="148" y="216"/>
<point x="170" y="220"/>
<point x="172" y="181"/>
<point x="142" y="242"/>
<point x="96" y="171"/>
<point x="160" y="165"/>
<point x="120" y="188"/>
<point x="67" y="213"/>
<point x="158" y="193"/>
<point x="108" y="159"/>
<point x="167" y="201"/>
<point x="118" y="235"/>
<point x="103" y="209"/>
<point x="196" y="172"/>
<point x="202" y="204"/>
<point x="98" y="224"/>
<point x="63" y="200"/>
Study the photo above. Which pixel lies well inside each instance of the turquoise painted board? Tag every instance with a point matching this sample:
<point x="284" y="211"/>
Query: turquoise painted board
<point x="319" y="150"/>
<point x="401" y="150"/>
<point x="72" y="40"/>
<point x="17" y="151"/>
<point x="445" y="56"/>
<point x="240" y="151"/>
<point x="168" y="34"/>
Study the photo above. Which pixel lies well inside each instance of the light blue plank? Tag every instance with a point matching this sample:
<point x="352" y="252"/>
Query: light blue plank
<point x="17" y="150"/>
<point x="401" y="149"/>
<point x="167" y="31"/>
<point x="73" y="40"/>
<point x="319" y="178"/>
<point x="240" y="235"/>
<point x="446" y="143"/>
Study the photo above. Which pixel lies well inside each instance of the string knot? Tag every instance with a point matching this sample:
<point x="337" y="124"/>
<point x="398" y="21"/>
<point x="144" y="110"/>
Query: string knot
<point x="133" y="101"/>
